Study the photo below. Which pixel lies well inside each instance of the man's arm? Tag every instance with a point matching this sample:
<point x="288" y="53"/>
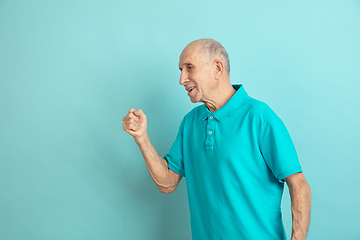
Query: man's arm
<point x="135" y="123"/>
<point x="300" y="205"/>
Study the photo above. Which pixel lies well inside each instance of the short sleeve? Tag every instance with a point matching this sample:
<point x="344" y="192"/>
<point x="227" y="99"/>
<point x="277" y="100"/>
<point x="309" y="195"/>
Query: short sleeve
<point x="175" y="156"/>
<point x="277" y="147"/>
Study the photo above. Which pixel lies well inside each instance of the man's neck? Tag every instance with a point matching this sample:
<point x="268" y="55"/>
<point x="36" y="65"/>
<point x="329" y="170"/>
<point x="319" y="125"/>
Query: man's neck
<point x="220" y="97"/>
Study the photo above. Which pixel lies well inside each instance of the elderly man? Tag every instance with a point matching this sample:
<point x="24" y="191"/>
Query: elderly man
<point x="234" y="151"/>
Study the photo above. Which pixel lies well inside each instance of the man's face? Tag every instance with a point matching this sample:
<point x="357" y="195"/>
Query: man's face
<point x="195" y="74"/>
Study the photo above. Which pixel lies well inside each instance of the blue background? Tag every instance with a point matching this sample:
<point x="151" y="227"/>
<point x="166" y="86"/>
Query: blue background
<point x="70" y="70"/>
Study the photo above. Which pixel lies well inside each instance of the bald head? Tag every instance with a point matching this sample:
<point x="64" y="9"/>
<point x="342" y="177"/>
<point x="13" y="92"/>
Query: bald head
<point x="211" y="50"/>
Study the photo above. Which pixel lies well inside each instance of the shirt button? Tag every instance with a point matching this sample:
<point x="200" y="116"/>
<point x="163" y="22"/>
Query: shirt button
<point x="211" y="117"/>
<point x="210" y="132"/>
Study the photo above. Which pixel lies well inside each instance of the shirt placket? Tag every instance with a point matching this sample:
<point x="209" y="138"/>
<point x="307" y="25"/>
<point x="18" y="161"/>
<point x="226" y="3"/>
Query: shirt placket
<point x="210" y="131"/>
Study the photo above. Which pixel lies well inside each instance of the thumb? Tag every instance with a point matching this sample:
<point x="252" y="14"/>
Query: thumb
<point x="139" y="113"/>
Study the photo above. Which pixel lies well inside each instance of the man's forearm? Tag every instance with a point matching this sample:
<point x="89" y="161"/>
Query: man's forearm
<point x="157" y="166"/>
<point x="300" y="207"/>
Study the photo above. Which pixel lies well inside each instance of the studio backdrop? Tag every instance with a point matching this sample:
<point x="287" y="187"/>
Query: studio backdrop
<point x="70" y="70"/>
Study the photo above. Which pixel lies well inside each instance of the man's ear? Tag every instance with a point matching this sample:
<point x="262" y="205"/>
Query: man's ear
<point x="218" y="68"/>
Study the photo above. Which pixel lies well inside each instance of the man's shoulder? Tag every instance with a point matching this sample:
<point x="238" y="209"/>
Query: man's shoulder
<point x="257" y="107"/>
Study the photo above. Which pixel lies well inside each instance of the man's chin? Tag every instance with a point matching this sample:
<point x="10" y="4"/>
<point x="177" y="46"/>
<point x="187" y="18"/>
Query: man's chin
<point x="194" y="100"/>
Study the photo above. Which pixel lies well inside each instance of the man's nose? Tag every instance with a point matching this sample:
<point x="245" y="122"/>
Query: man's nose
<point x="183" y="78"/>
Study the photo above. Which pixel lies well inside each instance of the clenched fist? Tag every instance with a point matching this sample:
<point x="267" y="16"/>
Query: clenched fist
<point x="135" y="123"/>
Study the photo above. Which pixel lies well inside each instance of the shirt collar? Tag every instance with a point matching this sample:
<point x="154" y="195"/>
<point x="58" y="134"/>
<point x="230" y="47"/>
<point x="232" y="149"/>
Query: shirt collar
<point x="233" y="102"/>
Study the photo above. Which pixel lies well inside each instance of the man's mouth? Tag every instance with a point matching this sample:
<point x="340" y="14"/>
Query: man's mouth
<point x="190" y="89"/>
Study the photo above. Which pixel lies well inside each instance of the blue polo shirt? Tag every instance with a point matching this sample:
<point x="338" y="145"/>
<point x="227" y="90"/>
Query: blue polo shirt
<point x="234" y="161"/>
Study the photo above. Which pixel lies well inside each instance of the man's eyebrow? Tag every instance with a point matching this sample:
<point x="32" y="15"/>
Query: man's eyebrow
<point x="185" y="64"/>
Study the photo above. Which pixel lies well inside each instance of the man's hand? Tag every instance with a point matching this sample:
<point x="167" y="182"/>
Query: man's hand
<point x="135" y="124"/>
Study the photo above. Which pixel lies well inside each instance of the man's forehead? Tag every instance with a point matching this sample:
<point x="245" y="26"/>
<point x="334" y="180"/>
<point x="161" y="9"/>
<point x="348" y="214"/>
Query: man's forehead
<point x="189" y="55"/>
<point x="190" y="50"/>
